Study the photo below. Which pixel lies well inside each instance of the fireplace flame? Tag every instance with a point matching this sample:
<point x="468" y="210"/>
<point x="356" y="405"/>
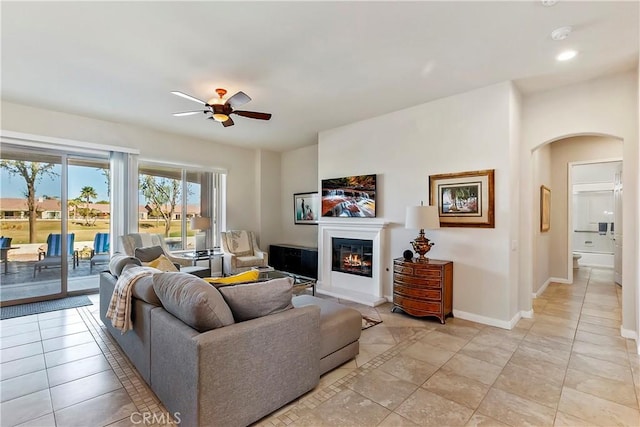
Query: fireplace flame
<point x="354" y="260"/>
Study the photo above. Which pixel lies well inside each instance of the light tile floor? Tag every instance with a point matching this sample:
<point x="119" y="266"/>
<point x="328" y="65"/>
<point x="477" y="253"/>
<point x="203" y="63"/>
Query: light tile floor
<point x="566" y="366"/>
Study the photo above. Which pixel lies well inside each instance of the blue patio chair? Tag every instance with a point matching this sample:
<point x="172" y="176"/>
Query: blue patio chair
<point x="100" y="251"/>
<point x="52" y="257"/>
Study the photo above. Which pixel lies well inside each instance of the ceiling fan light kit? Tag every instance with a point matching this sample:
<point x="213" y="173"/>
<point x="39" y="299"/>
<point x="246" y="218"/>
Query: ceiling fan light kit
<point x="220" y="109"/>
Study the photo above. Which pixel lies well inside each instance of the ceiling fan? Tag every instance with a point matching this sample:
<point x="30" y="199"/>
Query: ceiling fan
<point x="220" y="109"/>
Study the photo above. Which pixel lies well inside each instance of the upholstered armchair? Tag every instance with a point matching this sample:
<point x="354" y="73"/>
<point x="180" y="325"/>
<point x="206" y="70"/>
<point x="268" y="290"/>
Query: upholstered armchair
<point x="241" y="252"/>
<point x="142" y="240"/>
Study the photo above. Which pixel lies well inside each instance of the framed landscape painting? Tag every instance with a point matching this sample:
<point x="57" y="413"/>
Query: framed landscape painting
<point x="464" y="199"/>
<point x="306" y="208"/>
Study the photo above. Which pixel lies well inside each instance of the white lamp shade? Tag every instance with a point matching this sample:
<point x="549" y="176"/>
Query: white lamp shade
<point x="422" y="217"/>
<point x="200" y="223"/>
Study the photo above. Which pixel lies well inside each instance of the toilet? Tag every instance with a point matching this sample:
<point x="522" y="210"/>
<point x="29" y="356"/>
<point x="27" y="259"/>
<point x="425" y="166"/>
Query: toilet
<point x="576" y="257"/>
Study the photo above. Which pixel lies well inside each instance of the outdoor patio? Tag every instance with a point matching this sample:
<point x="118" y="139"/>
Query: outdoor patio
<point x="19" y="282"/>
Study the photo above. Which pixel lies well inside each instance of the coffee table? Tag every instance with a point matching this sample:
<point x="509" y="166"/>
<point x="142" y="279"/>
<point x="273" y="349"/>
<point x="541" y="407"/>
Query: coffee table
<point x="300" y="283"/>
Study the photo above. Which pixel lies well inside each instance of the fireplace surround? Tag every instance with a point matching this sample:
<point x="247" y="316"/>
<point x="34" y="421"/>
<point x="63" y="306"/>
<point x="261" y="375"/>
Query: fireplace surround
<point x="360" y="276"/>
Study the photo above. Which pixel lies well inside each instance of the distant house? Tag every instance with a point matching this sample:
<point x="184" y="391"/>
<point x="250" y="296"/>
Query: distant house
<point x="16" y="208"/>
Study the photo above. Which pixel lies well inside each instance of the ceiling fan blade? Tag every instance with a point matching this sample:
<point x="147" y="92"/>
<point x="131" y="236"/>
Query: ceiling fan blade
<point x="189" y="113"/>
<point x="253" y="114"/>
<point x="189" y="97"/>
<point x="229" y="122"/>
<point x="238" y="99"/>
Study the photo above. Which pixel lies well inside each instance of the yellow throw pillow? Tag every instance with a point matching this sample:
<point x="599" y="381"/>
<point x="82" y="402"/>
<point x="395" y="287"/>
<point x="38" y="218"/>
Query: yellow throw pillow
<point x="247" y="276"/>
<point x="162" y="263"/>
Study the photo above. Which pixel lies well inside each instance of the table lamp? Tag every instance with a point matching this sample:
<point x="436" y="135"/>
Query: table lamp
<point x="422" y="217"/>
<point x="200" y="223"/>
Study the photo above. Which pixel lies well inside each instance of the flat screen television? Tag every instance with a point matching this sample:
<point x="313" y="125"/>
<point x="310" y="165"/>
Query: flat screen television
<point x="351" y="196"/>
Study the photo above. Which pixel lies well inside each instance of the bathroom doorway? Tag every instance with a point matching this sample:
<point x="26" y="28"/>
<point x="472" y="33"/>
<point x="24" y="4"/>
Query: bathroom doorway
<point x="596" y="212"/>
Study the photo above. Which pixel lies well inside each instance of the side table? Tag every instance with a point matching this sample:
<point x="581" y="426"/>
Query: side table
<point x="207" y="254"/>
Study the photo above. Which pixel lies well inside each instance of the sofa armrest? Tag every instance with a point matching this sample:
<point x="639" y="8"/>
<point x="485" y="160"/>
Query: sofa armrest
<point x="237" y="374"/>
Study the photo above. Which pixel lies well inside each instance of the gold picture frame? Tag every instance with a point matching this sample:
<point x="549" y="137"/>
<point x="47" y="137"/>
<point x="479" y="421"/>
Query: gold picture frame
<point x="464" y="199"/>
<point x="545" y="209"/>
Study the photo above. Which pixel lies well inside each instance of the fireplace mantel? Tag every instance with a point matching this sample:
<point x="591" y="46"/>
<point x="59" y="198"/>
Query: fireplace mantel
<point x="364" y="290"/>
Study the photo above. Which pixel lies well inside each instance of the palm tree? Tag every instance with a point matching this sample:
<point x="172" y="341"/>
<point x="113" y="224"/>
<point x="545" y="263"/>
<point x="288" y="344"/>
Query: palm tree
<point x="87" y="193"/>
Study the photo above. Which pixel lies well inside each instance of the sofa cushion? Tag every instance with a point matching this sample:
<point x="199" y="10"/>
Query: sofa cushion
<point x="249" y="261"/>
<point x="149" y="253"/>
<point x="192" y="300"/>
<point x="253" y="300"/>
<point x="119" y="261"/>
<point x="162" y="263"/>
<point x="143" y="290"/>
<point x="247" y="276"/>
<point x="339" y="325"/>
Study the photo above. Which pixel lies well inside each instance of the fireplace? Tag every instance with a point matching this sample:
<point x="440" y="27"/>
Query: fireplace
<point x="352" y="256"/>
<point x="360" y="277"/>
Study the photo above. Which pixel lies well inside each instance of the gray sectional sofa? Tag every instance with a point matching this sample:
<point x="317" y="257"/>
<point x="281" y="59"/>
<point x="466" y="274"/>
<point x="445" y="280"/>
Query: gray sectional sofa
<point x="235" y="374"/>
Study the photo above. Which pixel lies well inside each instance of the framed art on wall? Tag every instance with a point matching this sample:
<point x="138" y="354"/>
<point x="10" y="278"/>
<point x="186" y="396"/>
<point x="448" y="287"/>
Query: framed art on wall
<point x="464" y="199"/>
<point x="545" y="208"/>
<point x="306" y="208"/>
<point x="349" y="196"/>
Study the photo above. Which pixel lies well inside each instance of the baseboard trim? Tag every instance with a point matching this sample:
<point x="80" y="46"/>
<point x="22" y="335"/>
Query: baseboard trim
<point x="504" y="324"/>
<point x="528" y="314"/>
<point x="559" y="280"/>
<point x="628" y="333"/>
<point x="541" y="290"/>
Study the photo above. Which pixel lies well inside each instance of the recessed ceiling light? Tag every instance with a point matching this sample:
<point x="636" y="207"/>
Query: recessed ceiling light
<point x="548" y="3"/>
<point x="561" y="33"/>
<point x="566" y="55"/>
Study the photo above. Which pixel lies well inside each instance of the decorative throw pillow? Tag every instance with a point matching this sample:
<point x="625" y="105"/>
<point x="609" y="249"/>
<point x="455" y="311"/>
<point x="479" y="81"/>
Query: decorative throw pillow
<point x="162" y="263"/>
<point x="192" y="300"/>
<point x="247" y="276"/>
<point x="149" y="253"/>
<point x="258" y="299"/>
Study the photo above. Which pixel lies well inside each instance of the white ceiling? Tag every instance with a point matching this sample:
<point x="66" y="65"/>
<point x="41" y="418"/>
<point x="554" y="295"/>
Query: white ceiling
<point x="314" y="65"/>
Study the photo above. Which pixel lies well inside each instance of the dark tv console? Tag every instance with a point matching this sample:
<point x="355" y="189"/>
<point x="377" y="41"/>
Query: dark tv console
<point x="294" y="259"/>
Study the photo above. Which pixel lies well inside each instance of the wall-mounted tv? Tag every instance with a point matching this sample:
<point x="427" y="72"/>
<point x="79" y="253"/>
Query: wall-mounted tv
<point x="351" y="196"/>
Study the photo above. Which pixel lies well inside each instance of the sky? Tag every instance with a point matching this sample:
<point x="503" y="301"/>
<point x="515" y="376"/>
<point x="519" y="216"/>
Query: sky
<point x="79" y="176"/>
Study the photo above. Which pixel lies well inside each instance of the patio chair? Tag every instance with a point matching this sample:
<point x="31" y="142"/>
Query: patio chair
<point x="52" y="257"/>
<point x="100" y="251"/>
<point x="241" y="252"/>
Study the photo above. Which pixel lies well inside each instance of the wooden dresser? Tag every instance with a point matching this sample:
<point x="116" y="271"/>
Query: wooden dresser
<point x="423" y="288"/>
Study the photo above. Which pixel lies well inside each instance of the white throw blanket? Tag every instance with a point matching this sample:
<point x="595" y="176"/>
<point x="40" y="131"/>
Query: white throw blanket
<point x="120" y="305"/>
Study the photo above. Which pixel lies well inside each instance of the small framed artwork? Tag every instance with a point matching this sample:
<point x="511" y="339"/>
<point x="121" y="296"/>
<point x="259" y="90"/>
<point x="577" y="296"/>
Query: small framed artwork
<point x="464" y="199"/>
<point x="545" y="208"/>
<point x="306" y="208"/>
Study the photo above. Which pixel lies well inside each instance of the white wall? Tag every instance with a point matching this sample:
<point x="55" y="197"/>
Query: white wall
<point x="541" y="165"/>
<point x="243" y="207"/>
<point x="604" y="106"/>
<point x="563" y="152"/>
<point x="299" y="175"/>
<point x="268" y="166"/>
<point x="461" y="133"/>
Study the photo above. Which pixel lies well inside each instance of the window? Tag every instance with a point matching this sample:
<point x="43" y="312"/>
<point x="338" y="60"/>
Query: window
<point x="169" y="196"/>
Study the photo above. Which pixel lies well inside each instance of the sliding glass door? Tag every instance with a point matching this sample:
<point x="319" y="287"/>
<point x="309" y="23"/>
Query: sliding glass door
<point x="52" y="207"/>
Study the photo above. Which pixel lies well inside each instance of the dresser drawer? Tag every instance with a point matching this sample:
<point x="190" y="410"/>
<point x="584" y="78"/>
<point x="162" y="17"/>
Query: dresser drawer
<point x="420" y="293"/>
<point x="404" y="279"/>
<point x="413" y="305"/>
<point x="403" y="268"/>
<point x="425" y="271"/>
